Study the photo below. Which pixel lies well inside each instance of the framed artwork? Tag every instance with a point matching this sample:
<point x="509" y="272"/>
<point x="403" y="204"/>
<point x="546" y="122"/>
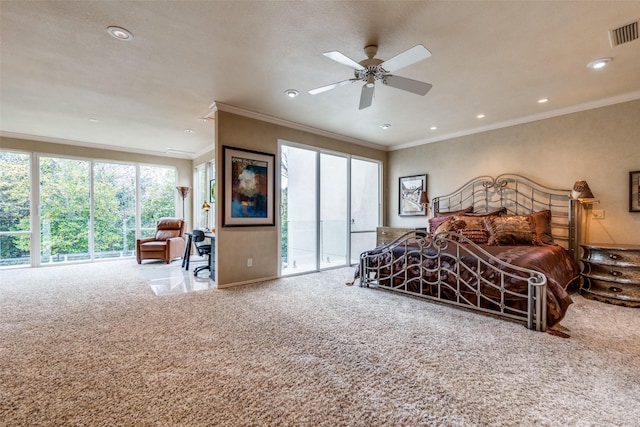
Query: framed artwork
<point x="248" y="187"/>
<point x="409" y="192"/>
<point x="212" y="191"/>
<point x="634" y="191"/>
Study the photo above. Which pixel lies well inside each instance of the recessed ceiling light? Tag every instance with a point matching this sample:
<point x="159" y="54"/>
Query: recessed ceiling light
<point x="119" y="33"/>
<point x="480" y="116"/>
<point x="543" y="100"/>
<point x="433" y="128"/>
<point x="93" y="120"/>
<point x="291" y="93"/>
<point x="599" y="63"/>
<point x="189" y="131"/>
<point x="385" y="126"/>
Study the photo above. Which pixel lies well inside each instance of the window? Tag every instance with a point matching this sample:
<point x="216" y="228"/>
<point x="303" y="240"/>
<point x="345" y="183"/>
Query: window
<point x="202" y="181"/>
<point x="200" y="196"/>
<point x="86" y="209"/>
<point x="114" y="209"/>
<point x="64" y="209"/>
<point x="157" y="196"/>
<point x="15" y="205"/>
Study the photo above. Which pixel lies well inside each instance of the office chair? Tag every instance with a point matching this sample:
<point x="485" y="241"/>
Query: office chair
<point x="202" y="248"/>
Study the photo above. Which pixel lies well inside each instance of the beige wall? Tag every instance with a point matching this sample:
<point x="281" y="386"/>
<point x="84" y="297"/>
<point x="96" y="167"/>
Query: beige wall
<point x="184" y="167"/>
<point x="235" y="244"/>
<point x="600" y="146"/>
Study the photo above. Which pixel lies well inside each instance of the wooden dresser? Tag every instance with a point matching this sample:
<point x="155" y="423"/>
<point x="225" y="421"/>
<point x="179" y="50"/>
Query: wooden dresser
<point x="389" y="234"/>
<point x="611" y="273"/>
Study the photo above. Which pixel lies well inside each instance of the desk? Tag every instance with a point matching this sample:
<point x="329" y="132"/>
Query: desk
<point x="212" y="256"/>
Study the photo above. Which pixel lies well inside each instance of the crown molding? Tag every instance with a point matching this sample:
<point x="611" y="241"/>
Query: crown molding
<point x="219" y="106"/>
<point x="84" y="144"/>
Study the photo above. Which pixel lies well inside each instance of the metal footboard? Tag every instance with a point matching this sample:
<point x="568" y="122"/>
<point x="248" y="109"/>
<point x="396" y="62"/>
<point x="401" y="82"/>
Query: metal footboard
<point x="451" y="269"/>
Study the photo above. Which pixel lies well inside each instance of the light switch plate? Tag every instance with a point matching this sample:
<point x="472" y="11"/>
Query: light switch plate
<point x="597" y="214"/>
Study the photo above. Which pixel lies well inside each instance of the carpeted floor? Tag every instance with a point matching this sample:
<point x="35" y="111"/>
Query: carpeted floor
<point x="91" y="345"/>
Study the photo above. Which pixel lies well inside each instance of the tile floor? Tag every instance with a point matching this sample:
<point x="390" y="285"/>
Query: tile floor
<point x="172" y="279"/>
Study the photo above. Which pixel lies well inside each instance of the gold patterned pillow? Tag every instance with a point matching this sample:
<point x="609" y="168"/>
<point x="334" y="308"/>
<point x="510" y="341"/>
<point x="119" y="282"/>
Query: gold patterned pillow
<point x="451" y="224"/>
<point x="441" y="217"/>
<point x="472" y="223"/>
<point x="461" y="227"/>
<point x="480" y="237"/>
<point x="512" y="230"/>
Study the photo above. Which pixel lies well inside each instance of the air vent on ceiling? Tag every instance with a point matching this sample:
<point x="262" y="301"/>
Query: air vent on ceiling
<point x="624" y="34"/>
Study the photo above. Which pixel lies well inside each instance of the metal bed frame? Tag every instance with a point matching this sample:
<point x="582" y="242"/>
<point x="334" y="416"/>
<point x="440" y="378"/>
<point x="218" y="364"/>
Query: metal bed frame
<point x="519" y="195"/>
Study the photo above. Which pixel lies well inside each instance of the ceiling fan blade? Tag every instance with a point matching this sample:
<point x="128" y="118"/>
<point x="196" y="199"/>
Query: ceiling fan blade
<point x="406" y="58"/>
<point x="331" y="86"/>
<point x="366" y="96"/>
<point x="343" y="59"/>
<point x="413" y="86"/>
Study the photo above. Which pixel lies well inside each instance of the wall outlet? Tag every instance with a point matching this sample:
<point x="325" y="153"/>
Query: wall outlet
<point x="597" y="214"/>
<point x="249" y="262"/>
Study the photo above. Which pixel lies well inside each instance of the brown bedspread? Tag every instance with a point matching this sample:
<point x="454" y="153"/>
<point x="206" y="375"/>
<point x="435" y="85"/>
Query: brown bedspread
<point x="460" y="283"/>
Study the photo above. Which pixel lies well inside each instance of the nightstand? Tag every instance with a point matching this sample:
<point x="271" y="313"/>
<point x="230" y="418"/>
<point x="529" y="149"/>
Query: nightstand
<point x="611" y="273"/>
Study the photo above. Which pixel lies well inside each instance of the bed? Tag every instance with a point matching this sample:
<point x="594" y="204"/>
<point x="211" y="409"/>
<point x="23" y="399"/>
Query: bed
<point x="505" y="246"/>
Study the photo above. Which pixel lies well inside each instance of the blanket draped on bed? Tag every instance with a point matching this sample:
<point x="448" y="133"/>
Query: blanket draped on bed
<point x="452" y="273"/>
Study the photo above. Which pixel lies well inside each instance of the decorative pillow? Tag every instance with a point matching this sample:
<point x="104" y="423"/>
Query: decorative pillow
<point x="542" y="224"/>
<point x="480" y="237"/>
<point x="511" y="230"/>
<point x="441" y="217"/>
<point x="456" y="213"/>
<point x="495" y="212"/>
<point x="472" y="223"/>
<point x="451" y="224"/>
<point x="469" y="227"/>
<point x="435" y="222"/>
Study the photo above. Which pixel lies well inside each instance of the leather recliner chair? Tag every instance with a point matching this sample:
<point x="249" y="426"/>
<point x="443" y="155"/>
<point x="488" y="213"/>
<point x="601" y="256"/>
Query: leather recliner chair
<point x="167" y="244"/>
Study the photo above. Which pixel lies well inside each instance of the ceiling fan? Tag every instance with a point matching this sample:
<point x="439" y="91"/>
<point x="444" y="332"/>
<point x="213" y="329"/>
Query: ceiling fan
<point x="373" y="69"/>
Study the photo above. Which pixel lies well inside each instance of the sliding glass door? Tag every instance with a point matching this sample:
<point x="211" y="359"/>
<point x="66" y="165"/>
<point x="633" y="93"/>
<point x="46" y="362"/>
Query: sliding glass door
<point x="365" y="206"/>
<point x="330" y="208"/>
<point x="333" y="210"/>
<point x="299" y="222"/>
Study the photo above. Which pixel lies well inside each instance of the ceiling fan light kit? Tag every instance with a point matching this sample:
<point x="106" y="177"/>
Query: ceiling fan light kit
<point x="373" y="69"/>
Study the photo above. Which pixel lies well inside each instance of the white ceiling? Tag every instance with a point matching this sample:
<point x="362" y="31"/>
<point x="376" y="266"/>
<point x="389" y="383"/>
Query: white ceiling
<point x="60" y="68"/>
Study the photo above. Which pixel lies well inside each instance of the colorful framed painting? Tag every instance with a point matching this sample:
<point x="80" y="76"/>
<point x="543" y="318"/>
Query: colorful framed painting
<point x="634" y="191"/>
<point x="409" y="191"/>
<point x="248" y="186"/>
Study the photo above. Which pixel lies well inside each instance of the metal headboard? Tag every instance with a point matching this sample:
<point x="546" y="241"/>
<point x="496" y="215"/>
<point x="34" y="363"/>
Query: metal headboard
<point x="519" y="195"/>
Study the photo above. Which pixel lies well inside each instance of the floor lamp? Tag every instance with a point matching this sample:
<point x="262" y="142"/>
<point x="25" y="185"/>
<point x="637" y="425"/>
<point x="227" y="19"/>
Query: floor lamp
<point x="184" y="192"/>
